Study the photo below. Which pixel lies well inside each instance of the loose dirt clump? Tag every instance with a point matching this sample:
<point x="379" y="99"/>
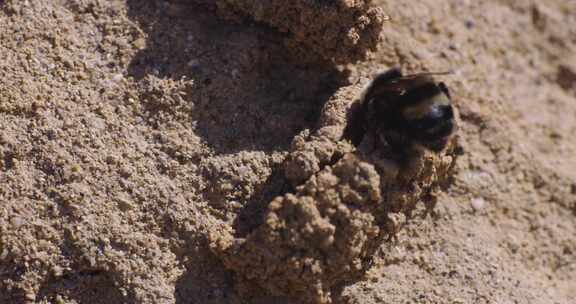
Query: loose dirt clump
<point x="312" y="240"/>
<point x="341" y="31"/>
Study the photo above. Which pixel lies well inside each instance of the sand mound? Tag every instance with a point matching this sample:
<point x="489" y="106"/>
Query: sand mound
<point x="326" y="232"/>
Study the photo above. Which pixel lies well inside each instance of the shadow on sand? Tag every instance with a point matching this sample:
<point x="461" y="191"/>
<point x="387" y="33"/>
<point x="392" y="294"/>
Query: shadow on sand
<point x="248" y="95"/>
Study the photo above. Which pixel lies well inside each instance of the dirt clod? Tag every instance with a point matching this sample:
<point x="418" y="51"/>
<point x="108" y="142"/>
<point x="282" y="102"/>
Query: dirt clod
<point x="341" y="31"/>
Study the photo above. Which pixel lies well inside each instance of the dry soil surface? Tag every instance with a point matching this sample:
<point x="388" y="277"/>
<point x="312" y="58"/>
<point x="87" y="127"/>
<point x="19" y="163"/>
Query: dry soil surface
<point x="159" y="151"/>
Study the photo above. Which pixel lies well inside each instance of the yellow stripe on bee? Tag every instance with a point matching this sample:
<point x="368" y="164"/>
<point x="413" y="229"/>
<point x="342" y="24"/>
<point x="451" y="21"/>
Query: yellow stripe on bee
<point x="420" y="110"/>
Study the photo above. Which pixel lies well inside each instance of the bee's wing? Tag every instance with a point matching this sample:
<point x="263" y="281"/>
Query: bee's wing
<point x="411" y="81"/>
<point x="392" y="82"/>
<point x="380" y="82"/>
<point x="386" y="77"/>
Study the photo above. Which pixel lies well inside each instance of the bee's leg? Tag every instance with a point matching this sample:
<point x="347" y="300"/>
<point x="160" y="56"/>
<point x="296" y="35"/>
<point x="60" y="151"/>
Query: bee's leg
<point x="356" y="126"/>
<point x="379" y="142"/>
<point x="445" y="90"/>
<point x="360" y="118"/>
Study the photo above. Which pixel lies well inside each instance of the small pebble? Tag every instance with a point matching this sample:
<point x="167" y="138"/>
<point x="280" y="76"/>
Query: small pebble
<point x="17" y="222"/>
<point x="117" y="77"/>
<point x="478" y="204"/>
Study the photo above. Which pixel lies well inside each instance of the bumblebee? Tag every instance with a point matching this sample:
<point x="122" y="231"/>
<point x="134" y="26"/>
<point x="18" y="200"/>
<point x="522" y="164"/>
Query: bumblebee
<point x="409" y="111"/>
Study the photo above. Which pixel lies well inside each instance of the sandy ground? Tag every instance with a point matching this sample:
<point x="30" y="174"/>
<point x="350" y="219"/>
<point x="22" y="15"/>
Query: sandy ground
<point x="151" y="152"/>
